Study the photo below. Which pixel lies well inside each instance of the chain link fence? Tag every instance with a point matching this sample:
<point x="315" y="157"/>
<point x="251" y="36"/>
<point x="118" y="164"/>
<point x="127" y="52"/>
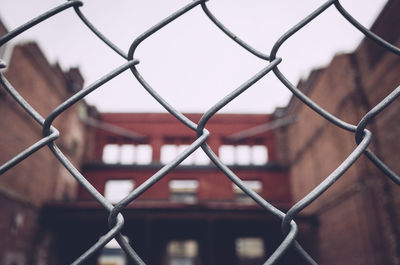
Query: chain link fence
<point x="116" y="221"/>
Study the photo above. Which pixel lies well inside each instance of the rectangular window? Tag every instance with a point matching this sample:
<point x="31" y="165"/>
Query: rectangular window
<point x="250" y="250"/>
<point x="117" y="189"/>
<point x="168" y="153"/>
<point x="243" y="155"/>
<point x="143" y="154"/>
<point x="127" y="155"/>
<point x="259" y="154"/>
<point x="200" y="158"/>
<point x="112" y="254"/>
<point x="227" y="154"/>
<point x="171" y="151"/>
<point x="111" y="153"/>
<point x="242" y="197"/>
<point x="183" y="190"/>
<point x="182" y="252"/>
<point x="190" y="159"/>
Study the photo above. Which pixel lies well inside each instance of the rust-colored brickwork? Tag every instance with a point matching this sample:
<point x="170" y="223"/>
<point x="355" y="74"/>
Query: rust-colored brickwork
<point x="39" y="178"/>
<point x="35" y="79"/>
<point x="160" y="129"/>
<point x="358" y="217"/>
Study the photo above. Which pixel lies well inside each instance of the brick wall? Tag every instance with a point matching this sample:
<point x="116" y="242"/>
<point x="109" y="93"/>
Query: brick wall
<point x="358" y="216"/>
<point x="39" y="178"/>
<point x="158" y="129"/>
<point x="44" y="87"/>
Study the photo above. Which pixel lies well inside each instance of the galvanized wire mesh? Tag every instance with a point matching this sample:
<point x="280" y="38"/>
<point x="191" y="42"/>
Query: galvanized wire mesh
<point x="116" y="220"/>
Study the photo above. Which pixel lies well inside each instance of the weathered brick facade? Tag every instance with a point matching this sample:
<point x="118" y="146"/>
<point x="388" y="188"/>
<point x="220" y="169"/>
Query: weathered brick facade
<point x="358" y="217"/>
<point x="38" y="179"/>
<point x="215" y="218"/>
<point x="46" y="218"/>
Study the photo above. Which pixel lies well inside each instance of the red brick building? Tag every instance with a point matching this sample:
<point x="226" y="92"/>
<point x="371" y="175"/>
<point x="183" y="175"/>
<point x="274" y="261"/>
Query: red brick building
<point x="194" y="215"/>
<point x="358" y="217"/>
<point x="195" y="204"/>
<point x="25" y="188"/>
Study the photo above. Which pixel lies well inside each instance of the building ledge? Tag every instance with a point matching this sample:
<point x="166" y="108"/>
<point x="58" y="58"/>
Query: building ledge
<point x="143" y="209"/>
<point x="104" y="166"/>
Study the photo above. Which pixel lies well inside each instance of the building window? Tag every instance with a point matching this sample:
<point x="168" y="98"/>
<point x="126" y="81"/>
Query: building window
<point x="250" y="250"/>
<point x="170" y="151"/>
<point x="117" y="189"/>
<point x="190" y="159"/>
<point x="259" y="155"/>
<point x="200" y="158"/>
<point x="127" y="154"/>
<point x="111" y="153"/>
<point x="112" y="254"/>
<point x="182" y="252"/>
<point x="227" y="154"/>
<point x="242" y="197"/>
<point x="243" y="154"/>
<point x="183" y="190"/>
<point x="144" y="154"/>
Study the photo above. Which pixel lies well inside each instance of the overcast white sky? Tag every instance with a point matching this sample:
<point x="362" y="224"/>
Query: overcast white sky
<point x="190" y="62"/>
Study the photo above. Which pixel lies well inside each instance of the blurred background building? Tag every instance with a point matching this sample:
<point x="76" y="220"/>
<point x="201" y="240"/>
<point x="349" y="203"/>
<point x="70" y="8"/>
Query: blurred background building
<point x="194" y="215"/>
